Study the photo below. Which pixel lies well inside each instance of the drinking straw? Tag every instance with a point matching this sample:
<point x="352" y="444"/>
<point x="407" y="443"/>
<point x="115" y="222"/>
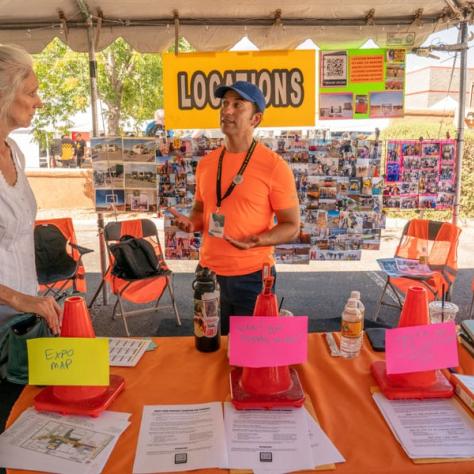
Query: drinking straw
<point x="281" y="303"/>
<point x="443" y="298"/>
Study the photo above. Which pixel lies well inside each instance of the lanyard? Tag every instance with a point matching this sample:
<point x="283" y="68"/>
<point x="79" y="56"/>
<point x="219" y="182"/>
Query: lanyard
<point x="237" y="178"/>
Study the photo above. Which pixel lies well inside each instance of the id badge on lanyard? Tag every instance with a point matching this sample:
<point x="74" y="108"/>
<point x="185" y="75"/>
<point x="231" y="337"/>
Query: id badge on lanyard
<point x="217" y="219"/>
<point x="216" y="225"/>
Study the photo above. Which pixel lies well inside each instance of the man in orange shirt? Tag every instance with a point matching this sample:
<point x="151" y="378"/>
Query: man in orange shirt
<point x="240" y="188"/>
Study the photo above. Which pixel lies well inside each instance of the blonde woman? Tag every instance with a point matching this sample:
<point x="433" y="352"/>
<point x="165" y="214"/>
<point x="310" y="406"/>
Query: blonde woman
<point x="18" y="284"/>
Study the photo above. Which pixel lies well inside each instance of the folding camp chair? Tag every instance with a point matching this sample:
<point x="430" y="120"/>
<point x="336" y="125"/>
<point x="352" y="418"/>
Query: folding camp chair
<point x="58" y="257"/>
<point x="437" y="242"/>
<point x="141" y="291"/>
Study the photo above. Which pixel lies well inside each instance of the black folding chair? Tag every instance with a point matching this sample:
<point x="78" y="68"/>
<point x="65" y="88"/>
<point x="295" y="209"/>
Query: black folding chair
<point x="55" y="262"/>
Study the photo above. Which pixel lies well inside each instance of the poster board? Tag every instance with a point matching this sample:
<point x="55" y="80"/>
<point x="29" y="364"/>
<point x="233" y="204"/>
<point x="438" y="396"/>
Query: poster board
<point x="361" y="84"/>
<point x="286" y="78"/>
<point x="420" y="174"/>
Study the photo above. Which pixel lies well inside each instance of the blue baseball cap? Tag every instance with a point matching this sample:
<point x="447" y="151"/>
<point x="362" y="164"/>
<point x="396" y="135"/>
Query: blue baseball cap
<point x="246" y="90"/>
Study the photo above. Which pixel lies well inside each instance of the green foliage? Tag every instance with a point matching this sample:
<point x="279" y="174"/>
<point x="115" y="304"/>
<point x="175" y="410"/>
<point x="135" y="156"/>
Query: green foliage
<point x="63" y="84"/>
<point x="129" y="83"/>
<point x="413" y="129"/>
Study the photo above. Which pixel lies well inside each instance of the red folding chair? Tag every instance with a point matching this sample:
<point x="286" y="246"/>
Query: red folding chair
<point x="143" y="291"/>
<point x="437" y="242"/>
<point x="58" y="257"/>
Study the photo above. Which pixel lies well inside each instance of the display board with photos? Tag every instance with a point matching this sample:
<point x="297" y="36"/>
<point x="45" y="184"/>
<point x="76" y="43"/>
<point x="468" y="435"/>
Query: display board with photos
<point x="337" y="178"/>
<point x="124" y="174"/>
<point x="420" y="174"/>
<point x="361" y="83"/>
<point x="340" y="191"/>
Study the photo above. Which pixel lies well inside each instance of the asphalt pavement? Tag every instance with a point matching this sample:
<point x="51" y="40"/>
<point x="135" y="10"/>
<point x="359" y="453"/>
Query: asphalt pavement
<point x="318" y="290"/>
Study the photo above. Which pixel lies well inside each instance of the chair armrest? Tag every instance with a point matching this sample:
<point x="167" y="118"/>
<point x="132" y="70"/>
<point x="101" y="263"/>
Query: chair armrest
<point x="82" y="250"/>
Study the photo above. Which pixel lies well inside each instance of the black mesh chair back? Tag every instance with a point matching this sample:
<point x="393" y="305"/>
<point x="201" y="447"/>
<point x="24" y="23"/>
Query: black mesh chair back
<point x="53" y="263"/>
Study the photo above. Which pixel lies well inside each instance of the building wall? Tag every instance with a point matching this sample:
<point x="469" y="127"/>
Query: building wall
<point x="425" y="87"/>
<point x="62" y="189"/>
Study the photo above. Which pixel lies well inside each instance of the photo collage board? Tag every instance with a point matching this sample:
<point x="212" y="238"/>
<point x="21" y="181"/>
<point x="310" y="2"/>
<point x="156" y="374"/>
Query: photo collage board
<point x="420" y="174"/>
<point x="337" y="178"/>
<point x="361" y="83"/>
<point x="124" y="174"/>
<point x="340" y="191"/>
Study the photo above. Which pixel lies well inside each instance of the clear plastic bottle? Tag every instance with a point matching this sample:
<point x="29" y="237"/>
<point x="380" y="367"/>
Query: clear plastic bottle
<point x="352" y="330"/>
<point x="360" y="305"/>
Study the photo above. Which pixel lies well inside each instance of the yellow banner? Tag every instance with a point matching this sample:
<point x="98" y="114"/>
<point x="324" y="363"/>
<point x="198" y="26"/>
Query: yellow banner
<point x="286" y="78"/>
<point x="68" y="361"/>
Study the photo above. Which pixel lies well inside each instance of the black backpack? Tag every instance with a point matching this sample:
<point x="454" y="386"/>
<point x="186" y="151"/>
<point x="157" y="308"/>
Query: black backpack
<point x="134" y="259"/>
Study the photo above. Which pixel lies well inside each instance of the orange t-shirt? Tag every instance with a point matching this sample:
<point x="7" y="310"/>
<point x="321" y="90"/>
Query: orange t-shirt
<point x="268" y="186"/>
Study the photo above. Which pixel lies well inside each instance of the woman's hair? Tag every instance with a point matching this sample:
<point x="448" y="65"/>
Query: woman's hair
<point x="15" y="65"/>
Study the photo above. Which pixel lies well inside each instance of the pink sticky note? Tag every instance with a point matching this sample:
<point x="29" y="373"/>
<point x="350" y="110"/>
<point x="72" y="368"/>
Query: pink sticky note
<point x="418" y="348"/>
<point x="266" y="341"/>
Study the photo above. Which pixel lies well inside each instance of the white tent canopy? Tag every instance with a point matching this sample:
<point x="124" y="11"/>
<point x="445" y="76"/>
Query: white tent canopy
<point x="211" y="25"/>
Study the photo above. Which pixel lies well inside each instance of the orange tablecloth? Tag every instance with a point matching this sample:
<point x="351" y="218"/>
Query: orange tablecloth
<point x="339" y="390"/>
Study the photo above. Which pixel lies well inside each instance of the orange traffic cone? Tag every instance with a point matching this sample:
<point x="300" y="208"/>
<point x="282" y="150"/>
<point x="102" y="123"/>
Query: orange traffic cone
<point x="76" y="320"/>
<point x="266" y="387"/>
<point x="415" y="309"/>
<point x="77" y="323"/>
<point x="425" y="384"/>
<point x="266" y="380"/>
<point x="79" y="400"/>
<point x="414" y="313"/>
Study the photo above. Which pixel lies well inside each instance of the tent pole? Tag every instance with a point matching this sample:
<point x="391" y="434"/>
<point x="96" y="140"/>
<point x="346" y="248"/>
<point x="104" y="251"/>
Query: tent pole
<point x="95" y="133"/>
<point x="461" y="114"/>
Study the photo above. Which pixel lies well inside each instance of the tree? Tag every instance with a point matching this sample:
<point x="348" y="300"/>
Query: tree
<point x="63" y="84"/>
<point x="130" y="83"/>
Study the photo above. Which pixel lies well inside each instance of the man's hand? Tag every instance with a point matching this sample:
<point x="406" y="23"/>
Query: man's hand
<point x="182" y="222"/>
<point x="245" y="244"/>
<point x="193" y="223"/>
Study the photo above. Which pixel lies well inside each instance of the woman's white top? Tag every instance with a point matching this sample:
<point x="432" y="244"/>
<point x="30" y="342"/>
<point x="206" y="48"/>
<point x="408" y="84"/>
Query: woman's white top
<point x="17" y="247"/>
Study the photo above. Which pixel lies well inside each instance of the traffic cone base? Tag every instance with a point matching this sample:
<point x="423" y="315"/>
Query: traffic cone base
<point x="243" y="400"/>
<point x="426" y="384"/>
<point x="47" y="400"/>
<point x="78" y="399"/>
<point x="407" y="386"/>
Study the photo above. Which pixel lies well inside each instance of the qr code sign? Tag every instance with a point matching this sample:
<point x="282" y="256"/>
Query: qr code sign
<point x="266" y="456"/>
<point x="335" y="67"/>
<point x="181" y="458"/>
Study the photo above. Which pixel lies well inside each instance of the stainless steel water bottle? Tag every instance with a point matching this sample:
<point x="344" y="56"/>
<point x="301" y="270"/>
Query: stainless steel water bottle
<point x="207" y="332"/>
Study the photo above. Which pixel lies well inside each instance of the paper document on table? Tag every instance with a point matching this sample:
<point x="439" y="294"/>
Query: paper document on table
<point x="181" y="438"/>
<point x="63" y="444"/>
<point x="324" y="451"/>
<point x="271" y="440"/>
<point x="430" y="428"/>
<point x="125" y="351"/>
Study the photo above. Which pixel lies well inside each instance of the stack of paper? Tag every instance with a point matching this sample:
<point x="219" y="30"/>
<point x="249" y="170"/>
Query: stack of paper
<point x="464" y="386"/>
<point x="62" y="444"/>
<point x="276" y="440"/>
<point x="181" y="438"/>
<point x="125" y="351"/>
<point x="187" y="437"/>
<point x="432" y="428"/>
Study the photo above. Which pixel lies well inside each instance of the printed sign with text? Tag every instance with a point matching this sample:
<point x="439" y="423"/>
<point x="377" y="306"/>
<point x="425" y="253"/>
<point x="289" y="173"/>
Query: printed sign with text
<point x="420" y="348"/>
<point x="68" y="361"/>
<point x="268" y="341"/>
<point x="286" y="78"/>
